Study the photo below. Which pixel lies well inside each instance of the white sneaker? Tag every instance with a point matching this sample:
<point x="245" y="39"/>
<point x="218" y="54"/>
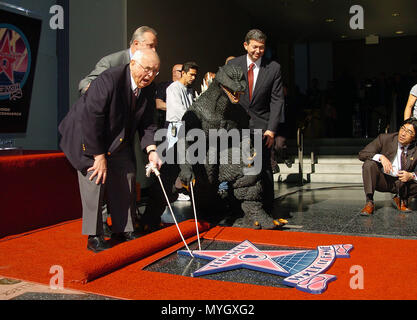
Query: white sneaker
<point x="183" y="197"/>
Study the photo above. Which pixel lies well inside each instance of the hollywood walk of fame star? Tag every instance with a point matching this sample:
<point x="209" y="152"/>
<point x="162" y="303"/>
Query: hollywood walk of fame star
<point x="245" y="255"/>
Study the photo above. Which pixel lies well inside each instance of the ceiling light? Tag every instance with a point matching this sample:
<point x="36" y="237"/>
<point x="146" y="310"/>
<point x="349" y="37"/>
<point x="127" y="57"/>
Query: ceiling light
<point x="399" y="32"/>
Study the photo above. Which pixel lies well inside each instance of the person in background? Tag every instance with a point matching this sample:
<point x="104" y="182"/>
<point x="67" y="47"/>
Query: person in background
<point x="180" y="96"/>
<point x="390" y="163"/>
<point x="411" y="107"/>
<point x="144" y="37"/>
<point x="161" y="95"/>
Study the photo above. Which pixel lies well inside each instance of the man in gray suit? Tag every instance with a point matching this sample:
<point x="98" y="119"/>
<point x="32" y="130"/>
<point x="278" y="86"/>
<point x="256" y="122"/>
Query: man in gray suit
<point x="143" y="37"/>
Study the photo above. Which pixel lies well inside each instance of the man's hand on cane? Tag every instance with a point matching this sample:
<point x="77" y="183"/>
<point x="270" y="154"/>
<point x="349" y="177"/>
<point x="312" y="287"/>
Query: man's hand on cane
<point x="153" y="157"/>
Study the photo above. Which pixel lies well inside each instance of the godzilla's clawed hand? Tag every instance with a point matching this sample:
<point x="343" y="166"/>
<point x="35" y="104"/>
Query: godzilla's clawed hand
<point x="186" y="176"/>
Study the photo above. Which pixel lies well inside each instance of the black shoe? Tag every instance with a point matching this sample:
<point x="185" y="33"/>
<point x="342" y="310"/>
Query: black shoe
<point x="125" y="236"/>
<point x="275" y="168"/>
<point x="288" y="163"/>
<point x="97" y="244"/>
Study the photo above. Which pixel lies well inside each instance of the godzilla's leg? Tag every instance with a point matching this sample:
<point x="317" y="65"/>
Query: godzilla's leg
<point x="252" y="206"/>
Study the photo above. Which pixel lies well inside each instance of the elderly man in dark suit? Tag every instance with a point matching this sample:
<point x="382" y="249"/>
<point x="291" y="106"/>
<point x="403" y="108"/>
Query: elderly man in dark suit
<point x="390" y="163"/>
<point x="263" y="101"/>
<point x="144" y="37"/>
<point x="97" y="138"/>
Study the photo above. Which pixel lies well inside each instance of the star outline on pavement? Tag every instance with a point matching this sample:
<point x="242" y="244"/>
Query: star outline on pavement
<point x="244" y="256"/>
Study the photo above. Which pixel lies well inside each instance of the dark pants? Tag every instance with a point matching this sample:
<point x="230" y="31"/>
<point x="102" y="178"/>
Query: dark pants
<point x="375" y="180"/>
<point x="267" y="179"/>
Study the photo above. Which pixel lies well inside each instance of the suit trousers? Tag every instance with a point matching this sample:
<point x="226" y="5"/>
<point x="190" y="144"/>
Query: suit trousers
<point x="267" y="177"/>
<point x="374" y="179"/>
<point x="118" y="193"/>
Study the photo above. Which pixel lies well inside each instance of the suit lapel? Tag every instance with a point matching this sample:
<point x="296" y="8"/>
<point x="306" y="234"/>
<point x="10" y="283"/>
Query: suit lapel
<point x="127" y="97"/>
<point x="141" y="105"/>
<point x="243" y="64"/>
<point x="411" y="157"/>
<point x="391" y="143"/>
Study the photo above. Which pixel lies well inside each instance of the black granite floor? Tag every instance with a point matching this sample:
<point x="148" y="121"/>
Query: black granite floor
<point x="330" y="208"/>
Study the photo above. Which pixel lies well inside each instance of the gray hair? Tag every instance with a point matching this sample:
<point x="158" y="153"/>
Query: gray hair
<point x="138" y="34"/>
<point x="257" y="35"/>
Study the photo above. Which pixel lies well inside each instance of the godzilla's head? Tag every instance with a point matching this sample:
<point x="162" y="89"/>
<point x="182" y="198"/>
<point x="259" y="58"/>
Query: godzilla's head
<point x="232" y="82"/>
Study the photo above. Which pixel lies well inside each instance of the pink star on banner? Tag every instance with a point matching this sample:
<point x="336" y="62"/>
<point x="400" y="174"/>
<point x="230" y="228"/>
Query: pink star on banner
<point x="7" y="59"/>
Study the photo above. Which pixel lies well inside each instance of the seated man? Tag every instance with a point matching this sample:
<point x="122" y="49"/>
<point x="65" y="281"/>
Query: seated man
<point x="389" y="166"/>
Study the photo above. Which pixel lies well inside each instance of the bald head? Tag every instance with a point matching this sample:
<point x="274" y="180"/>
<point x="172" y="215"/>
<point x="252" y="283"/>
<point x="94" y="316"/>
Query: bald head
<point x="176" y="72"/>
<point x="144" y="67"/>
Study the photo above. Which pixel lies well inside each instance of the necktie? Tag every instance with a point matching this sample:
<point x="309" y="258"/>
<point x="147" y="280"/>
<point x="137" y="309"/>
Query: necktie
<point x="250" y="80"/>
<point x="134" y="99"/>
<point x="403" y="159"/>
<point x="131" y="115"/>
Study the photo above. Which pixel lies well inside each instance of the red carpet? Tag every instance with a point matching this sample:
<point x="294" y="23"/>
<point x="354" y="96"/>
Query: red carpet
<point x="37" y="190"/>
<point x="389" y="265"/>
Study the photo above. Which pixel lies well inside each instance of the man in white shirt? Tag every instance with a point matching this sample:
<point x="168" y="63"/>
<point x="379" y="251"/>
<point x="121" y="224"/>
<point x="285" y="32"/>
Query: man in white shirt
<point x="180" y="97"/>
<point x="390" y="163"/>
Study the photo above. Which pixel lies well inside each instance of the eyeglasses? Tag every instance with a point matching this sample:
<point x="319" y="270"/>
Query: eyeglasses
<point x="149" y="71"/>
<point x="407" y="131"/>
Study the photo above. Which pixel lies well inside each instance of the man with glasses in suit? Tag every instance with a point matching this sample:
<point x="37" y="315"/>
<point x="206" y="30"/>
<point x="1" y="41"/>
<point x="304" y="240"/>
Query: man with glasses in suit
<point x="98" y="140"/>
<point x="390" y="166"/>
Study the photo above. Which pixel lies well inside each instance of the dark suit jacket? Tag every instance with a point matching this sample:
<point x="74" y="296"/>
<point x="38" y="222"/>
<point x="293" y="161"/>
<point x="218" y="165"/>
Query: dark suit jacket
<point x="97" y="122"/>
<point x="387" y="145"/>
<point x="267" y="106"/>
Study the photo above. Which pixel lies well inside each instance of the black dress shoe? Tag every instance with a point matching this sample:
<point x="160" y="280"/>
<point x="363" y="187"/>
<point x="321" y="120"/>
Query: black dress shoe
<point x="125" y="236"/>
<point x="97" y="244"/>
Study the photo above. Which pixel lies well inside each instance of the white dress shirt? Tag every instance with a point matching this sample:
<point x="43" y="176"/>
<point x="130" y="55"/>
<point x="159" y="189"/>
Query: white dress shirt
<point x="134" y="86"/>
<point x="396" y="163"/>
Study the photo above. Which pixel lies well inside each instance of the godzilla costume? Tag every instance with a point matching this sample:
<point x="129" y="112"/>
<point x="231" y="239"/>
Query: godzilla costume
<point x="241" y="205"/>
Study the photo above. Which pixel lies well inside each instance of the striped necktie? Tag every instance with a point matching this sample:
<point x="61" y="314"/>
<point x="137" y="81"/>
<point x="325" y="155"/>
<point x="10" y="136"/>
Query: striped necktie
<point x="403" y="159"/>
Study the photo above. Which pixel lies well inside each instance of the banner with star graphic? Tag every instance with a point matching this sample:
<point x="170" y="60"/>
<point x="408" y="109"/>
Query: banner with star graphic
<point x="19" y="42"/>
